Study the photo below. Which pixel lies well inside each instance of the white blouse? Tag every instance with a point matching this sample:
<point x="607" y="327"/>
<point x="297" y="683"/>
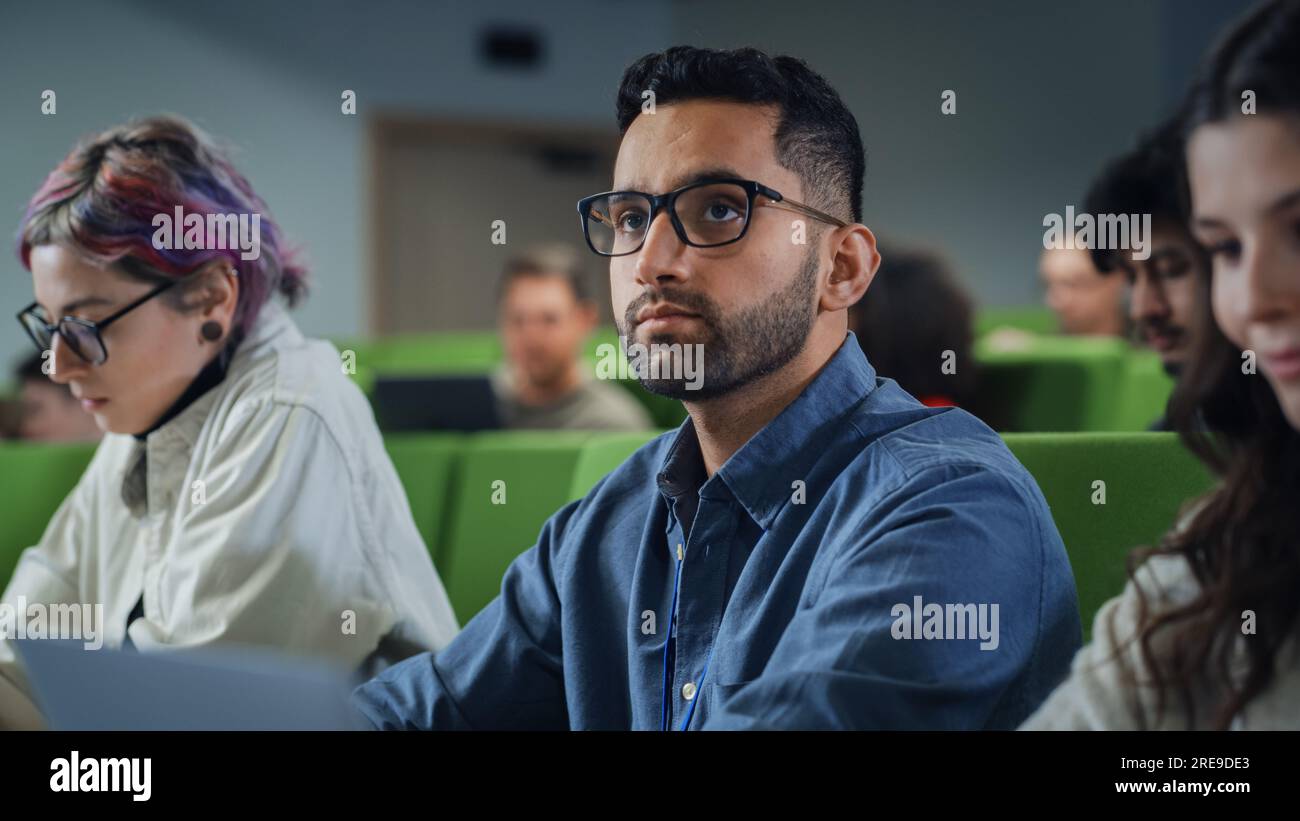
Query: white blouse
<point x="1110" y="685"/>
<point x="265" y="513"/>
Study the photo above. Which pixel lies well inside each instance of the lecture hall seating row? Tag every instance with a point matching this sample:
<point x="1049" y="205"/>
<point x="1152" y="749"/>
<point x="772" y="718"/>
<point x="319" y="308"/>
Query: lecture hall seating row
<point x="451" y="482"/>
<point x="1051" y="384"/>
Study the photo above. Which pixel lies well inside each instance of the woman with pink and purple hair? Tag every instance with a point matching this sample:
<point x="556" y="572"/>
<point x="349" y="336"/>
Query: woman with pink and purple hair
<point x="242" y="493"/>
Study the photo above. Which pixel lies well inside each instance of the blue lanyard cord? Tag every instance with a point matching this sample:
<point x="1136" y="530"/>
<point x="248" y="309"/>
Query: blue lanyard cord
<point x="663" y="724"/>
<point x="699" y="685"/>
<point x="699" y="691"/>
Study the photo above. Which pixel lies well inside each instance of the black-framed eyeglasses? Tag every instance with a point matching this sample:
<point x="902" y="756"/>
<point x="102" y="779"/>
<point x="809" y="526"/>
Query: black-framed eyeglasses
<point x="704" y="214"/>
<point x="83" y="336"/>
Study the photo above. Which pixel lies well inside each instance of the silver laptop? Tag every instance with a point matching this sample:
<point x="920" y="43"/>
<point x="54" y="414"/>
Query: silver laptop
<point x="210" y="689"/>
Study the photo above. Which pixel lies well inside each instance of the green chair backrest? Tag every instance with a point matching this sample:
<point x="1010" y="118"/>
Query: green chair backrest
<point x="417" y="354"/>
<point x="508" y="484"/>
<point x="426" y="465"/>
<point x="357" y="358"/>
<point x="604" y="335"/>
<point x="1033" y="318"/>
<point x="1109" y="493"/>
<point x="1145" y="392"/>
<point x="479" y="501"/>
<point x="453" y="351"/>
<point x="602" y="453"/>
<point x="1056" y="384"/>
<point x="34" y="481"/>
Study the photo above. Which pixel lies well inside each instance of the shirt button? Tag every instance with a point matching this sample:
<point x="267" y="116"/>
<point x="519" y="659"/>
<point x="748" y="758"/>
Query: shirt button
<point x="688" y="690"/>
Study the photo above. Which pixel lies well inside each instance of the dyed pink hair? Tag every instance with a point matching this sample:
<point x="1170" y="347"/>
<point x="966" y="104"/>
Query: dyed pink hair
<point x="102" y="199"/>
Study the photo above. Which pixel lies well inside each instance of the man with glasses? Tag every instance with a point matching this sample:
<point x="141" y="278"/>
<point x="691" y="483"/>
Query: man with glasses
<point x="813" y="548"/>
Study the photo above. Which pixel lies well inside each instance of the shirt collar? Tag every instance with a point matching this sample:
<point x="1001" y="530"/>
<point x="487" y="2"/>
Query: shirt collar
<point x="760" y="473"/>
<point x="683" y="468"/>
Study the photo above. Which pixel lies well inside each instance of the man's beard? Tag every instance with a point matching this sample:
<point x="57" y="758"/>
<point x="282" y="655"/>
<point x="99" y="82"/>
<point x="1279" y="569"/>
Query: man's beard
<point x="737" y="350"/>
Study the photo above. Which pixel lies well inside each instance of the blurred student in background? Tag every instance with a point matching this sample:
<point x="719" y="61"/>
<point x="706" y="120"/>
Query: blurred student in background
<point x="1207" y="633"/>
<point x="1085" y="302"/>
<point x="47" y="411"/>
<point x="242" y="493"/>
<point x="916" y="326"/>
<point x="1166" y="291"/>
<point x="546" y="314"/>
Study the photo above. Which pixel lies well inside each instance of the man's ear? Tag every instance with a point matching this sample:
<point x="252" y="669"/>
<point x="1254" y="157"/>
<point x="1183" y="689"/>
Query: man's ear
<point x="854" y="262"/>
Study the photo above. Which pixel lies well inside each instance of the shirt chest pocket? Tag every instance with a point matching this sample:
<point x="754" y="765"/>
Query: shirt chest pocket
<point x="715" y="695"/>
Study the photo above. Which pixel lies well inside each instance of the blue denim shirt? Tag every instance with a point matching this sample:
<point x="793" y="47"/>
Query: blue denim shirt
<point x="840" y="570"/>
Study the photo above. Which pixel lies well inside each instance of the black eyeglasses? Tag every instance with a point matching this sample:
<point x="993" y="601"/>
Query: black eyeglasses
<point x="704" y="214"/>
<point x="83" y="336"/>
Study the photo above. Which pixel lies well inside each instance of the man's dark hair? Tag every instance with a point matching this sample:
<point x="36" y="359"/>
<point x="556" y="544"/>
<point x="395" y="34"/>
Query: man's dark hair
<point x="559" y="261"/>
<point x="816" y="134"/>
<point x="1146" y="180"/>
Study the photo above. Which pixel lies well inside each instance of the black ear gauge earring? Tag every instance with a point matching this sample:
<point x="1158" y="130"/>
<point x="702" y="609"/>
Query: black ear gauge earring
<point x="211" y="330"/>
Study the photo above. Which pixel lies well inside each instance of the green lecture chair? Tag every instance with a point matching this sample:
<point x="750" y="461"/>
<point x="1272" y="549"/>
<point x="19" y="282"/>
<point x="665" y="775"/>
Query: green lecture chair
<point x="34" y="480"/>
<point x="418" y="354"/>
<point x="1145" y="392"/>
<point x="449" y="352"/>
<point x="483" y="537"/>
<point x="1055" y="384"/>
<point x="604" y="335"/>
<point x="357" y="358"/>
<point x="1032" y="318"/>
<point x="426" y="464"/>
<point x="602" y="453"/>
<point x="1148" y="477"/>
<point x="449" y="480"/>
